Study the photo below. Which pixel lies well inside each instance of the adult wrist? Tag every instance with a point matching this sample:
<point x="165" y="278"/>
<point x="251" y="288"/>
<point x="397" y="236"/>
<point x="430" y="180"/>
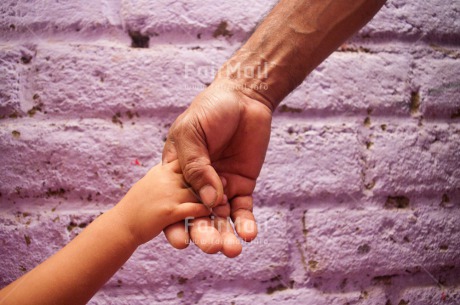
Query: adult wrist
<point x="255" y="77"/>
<point x="250" y="88"/>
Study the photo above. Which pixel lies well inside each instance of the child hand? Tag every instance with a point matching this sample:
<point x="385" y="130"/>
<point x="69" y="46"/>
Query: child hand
<point x="160" y="198"/>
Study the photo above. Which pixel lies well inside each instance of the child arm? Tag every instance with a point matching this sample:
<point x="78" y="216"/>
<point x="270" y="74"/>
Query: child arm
<point x="75" y="273"/>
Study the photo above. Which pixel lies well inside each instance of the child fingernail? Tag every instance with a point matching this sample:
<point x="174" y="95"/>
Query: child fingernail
<point x="224" y="181"/>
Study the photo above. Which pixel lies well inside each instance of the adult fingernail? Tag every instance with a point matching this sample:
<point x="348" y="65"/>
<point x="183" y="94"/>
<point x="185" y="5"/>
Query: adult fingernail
<point x="208" y="195"/>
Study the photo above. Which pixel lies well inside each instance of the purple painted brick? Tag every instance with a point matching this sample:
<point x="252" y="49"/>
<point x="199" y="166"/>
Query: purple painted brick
<point x="369" y="140"/>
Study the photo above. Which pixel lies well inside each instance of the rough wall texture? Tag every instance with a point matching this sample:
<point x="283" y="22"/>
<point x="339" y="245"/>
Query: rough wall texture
<point x="359" y="198"/>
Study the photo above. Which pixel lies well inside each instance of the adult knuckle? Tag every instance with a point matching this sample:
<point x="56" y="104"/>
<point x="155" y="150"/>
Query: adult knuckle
<point x="194" y="169"/>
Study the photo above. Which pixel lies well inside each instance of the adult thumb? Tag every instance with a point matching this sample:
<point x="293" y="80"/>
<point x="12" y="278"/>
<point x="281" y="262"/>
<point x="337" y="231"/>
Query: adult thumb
<point x="192" y="152"/>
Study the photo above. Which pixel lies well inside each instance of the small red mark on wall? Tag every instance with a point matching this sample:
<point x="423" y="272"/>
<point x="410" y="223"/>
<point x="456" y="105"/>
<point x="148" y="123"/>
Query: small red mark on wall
<point x="136" y="162"/>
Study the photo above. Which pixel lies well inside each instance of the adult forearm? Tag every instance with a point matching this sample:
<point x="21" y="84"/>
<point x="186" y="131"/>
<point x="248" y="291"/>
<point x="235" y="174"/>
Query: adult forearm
<point x="292" y="41"/>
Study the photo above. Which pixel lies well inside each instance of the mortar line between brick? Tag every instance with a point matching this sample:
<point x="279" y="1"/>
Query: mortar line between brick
<point x="159" y="115"/>
<point x="118" y="35"/>
<point x="374" y="203"/>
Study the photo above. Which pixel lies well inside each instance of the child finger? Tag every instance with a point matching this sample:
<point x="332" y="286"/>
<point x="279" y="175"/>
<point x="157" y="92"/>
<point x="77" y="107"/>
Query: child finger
<point x="192" y="210"/>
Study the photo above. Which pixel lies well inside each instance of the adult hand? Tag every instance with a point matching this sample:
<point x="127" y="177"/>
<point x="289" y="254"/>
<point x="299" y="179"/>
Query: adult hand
<point x="222" y="137"/>
<point x="226" y="129"/>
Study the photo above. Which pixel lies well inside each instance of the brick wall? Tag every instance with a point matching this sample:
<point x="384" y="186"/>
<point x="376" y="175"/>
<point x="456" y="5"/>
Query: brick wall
<point x="359" y="198"/>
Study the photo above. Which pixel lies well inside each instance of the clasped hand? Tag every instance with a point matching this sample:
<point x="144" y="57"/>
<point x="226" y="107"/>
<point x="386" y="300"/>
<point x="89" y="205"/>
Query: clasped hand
<point x="220" y="142"/>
